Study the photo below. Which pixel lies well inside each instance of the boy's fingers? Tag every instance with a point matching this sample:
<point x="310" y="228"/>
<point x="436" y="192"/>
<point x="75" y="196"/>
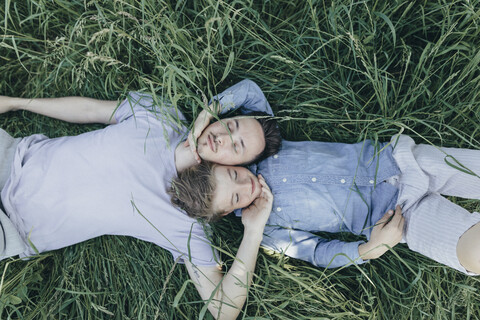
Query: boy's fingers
<point x="262" y="182"/>
<point x="265" y="186"/>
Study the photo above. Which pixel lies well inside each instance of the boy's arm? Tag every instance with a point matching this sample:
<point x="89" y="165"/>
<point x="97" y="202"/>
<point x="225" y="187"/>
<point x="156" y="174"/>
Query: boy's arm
<point x="227" y="292"/>
<point x="70" y="109"/>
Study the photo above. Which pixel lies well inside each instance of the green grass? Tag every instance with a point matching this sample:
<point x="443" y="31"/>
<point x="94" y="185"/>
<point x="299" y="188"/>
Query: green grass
<point x="335" y="71"/>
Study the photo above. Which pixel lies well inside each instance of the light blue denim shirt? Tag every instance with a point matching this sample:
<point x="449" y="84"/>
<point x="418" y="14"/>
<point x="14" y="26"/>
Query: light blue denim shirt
<point x="320" y="187"/>
<point x="329" y="187"/>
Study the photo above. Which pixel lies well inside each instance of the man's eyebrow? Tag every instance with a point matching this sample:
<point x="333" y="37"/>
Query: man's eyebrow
<point x="237" y="123"/>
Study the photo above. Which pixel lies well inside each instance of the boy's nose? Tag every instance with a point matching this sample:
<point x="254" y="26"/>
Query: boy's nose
<point x="246" y="186"/>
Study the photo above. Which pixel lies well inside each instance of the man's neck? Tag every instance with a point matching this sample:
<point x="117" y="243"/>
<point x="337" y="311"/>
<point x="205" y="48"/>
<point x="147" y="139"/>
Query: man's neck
<point x="184" y="158"/>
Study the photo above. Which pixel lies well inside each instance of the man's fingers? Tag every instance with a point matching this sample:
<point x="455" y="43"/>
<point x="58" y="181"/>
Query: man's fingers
<point x="197" y="157"/>
<point x="190" y="142"/>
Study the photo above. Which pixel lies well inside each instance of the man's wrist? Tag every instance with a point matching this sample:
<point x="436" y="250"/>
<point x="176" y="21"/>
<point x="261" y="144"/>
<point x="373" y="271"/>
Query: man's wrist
<point x="215" y="107"/>
<point x="206" y="115"/>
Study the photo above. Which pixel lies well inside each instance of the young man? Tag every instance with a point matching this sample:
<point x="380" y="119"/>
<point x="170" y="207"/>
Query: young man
<point x="62" y="191"/>
<point x="335" y="187"/>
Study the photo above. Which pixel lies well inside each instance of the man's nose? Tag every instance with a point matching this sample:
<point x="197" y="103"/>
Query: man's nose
<point x="224" y="139"/>
<point x="221" y="138"/>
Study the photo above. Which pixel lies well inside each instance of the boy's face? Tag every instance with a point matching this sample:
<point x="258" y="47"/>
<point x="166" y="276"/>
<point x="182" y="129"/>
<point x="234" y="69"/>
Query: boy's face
<point x="236" y="188"/>
<point x="241" y="143"/>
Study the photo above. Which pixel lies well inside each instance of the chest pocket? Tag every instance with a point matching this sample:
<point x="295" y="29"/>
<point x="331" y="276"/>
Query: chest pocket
<point x="303" y="208"/>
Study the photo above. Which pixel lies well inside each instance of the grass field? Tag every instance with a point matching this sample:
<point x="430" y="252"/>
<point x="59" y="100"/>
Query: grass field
<point x="335" y="71"/>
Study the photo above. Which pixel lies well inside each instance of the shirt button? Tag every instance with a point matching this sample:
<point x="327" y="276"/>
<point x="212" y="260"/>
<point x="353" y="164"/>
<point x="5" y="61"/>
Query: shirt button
<point x="284" y="179"/>
<point x="279" y="209"/>
<point x="342" y="181"/>
<point x="314" y="179"/>
<point x="371" y="181"/>
<point x="275" y="156"/>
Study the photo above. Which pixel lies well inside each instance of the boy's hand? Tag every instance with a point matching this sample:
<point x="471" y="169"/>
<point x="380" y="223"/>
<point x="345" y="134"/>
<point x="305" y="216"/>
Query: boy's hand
<point x="202" y="121"/>
<point x="387" y="233"/>
<point x="256" y="215"/>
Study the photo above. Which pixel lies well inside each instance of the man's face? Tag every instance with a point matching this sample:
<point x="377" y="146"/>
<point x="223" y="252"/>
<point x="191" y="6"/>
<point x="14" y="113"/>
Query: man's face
<point x="236" y="188"/>
<point x="241" y="143"/>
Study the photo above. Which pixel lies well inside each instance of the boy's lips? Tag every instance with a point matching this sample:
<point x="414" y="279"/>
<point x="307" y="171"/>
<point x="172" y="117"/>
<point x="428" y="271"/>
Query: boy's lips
<point x="253" y="185"/>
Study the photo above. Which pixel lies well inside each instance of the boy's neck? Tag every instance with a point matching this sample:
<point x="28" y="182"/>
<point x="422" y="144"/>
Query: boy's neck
<point x="184" y="158"/>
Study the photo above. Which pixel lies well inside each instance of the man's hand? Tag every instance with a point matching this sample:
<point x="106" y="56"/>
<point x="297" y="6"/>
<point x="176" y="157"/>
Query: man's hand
<point x="386" y="234"/>
<point x="256" y="215"/>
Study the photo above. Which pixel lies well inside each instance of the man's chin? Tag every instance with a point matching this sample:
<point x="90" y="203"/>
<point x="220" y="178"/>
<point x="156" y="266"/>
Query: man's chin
<point x="201" y="154"/>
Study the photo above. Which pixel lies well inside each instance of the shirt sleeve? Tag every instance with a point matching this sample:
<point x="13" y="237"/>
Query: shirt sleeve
<point x="311" y="248"/>
<point x="245" y="94"/>
<point x="139" y="104"/>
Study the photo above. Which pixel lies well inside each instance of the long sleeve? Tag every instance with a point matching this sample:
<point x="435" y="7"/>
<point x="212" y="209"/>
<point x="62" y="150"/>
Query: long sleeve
<point x="311" y="248"/>
<point x="245" y="94"/>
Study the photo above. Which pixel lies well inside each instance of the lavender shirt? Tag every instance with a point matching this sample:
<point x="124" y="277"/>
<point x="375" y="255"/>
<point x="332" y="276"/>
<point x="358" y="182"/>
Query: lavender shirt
<point x="110" y="181"/>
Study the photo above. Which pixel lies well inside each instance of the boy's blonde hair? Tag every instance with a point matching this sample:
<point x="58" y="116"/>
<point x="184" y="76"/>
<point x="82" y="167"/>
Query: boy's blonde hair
<point x="193" y="191"/>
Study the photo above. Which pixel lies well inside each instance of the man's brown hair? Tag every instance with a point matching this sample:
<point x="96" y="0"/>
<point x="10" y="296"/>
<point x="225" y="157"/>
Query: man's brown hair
<point x="271" y="134"/>
<point x="193" y="191"/>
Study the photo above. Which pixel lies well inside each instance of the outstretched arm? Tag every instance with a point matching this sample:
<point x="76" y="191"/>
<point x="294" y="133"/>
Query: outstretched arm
<point x="226" y="293"/>
<point x="70" y="109"/>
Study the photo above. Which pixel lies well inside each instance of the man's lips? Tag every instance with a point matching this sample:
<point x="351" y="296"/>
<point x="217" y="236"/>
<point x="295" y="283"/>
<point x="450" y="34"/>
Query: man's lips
<point x="253" y="185"/>
<point x="210" y="143"/>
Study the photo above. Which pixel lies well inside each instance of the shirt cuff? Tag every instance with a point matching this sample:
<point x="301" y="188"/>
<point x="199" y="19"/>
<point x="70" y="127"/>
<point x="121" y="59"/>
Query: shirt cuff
<point x="351" y="250"/>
